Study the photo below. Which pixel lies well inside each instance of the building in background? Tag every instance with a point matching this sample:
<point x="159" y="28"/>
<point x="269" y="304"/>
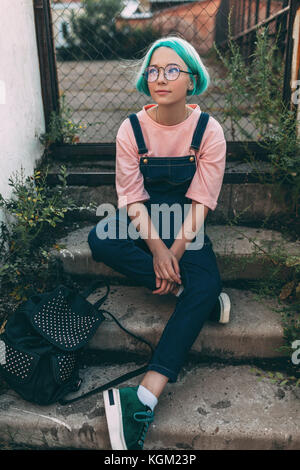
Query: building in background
<point x="61" y="14"/>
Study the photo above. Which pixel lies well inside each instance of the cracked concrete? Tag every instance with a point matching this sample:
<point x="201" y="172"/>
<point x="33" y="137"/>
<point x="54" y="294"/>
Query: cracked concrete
<point x="210" y="407"/>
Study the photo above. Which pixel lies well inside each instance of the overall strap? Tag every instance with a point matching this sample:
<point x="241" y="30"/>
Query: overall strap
<point x="196" y="141"/>
<point x="199" y="131"/>
<point x="138" y="133"/>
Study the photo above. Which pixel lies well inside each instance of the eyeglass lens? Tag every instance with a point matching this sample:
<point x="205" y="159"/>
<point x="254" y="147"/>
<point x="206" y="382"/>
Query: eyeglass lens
<point x="171" y="72"/>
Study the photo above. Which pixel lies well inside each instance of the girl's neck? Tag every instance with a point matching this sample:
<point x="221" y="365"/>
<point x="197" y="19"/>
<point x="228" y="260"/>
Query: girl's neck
<point x="165" y="116"/>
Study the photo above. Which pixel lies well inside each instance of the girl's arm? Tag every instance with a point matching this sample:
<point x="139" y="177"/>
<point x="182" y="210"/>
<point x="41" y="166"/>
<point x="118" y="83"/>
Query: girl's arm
<point x="143" y="224"/>
<point x="165" y="264"/>
<point x="190" y="228"/>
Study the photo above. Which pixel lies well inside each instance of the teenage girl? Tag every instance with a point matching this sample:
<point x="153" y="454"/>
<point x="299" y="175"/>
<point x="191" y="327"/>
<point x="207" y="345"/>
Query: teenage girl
<point x="169" y="153"/>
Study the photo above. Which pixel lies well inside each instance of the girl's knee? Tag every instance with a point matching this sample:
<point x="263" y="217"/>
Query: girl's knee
<point x="103" y="243"/>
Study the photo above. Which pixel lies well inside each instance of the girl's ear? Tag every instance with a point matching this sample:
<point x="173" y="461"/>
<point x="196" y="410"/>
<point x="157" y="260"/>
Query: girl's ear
<point x="191" y="84"/>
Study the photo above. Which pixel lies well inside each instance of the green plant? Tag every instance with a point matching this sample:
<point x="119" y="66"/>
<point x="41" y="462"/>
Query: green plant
<point x="236" y="80"/>
<point x="276" y="377"/>
<point x="62" y="130"/>
<point x="32" y="213"/>
<point x="259" y="86"/>
<point x="291" y="326"/>
<point x="281" y="281"/>
<point x="256" y="84"/>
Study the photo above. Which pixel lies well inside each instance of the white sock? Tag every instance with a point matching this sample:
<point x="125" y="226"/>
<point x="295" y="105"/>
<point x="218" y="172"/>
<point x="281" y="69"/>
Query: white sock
<point x="147" y="397"/>
<point x="179" y="290"/>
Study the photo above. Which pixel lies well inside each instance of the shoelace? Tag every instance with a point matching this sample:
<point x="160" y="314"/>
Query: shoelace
<point x="144" y="417"/>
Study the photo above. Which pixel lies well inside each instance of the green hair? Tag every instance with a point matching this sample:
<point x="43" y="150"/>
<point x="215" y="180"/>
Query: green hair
<point x="187" y="53"/>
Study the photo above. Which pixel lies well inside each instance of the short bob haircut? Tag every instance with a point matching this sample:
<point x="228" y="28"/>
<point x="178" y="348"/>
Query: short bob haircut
<point x="187" y="53"/>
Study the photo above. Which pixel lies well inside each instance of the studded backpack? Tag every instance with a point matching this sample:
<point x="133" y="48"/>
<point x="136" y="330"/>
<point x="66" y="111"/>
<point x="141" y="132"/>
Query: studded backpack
<point x="41" y="345"/>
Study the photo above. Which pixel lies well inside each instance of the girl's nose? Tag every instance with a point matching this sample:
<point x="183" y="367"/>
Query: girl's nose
<point x="161" y="75"/>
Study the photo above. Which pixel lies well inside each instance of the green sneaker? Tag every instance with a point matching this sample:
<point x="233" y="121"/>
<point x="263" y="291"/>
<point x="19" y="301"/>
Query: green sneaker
<point x="127" y="418"/>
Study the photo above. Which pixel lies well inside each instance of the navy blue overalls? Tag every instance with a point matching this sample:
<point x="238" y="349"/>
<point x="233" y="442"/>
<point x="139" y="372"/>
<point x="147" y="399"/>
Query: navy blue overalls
<point x="166" y="179"/>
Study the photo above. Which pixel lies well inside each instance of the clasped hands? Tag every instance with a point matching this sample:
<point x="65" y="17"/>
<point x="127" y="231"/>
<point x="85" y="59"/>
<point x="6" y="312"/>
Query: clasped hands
<point x="166" y="268"/>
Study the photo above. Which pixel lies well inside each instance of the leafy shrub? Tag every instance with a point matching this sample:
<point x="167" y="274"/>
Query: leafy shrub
<point x="259" y="84"/>
<point x="32" y="214"/>
<point x="61" y="129"/>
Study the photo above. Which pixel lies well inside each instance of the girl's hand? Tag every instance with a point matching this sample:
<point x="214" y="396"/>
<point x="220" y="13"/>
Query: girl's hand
<point x="165" y="287"/>
<point x="167" y="270"/>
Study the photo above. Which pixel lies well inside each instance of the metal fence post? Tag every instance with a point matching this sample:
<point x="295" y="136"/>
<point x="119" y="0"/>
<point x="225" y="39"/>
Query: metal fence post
<point x="287" y="90"/>
<point x="46" y="53"/>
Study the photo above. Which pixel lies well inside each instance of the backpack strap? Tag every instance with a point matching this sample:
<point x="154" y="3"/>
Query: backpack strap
<point x="138" y="134"/>
<point x="93" y="286"/>
<point x="199" y="131"/>
<point x="118" y="380"/>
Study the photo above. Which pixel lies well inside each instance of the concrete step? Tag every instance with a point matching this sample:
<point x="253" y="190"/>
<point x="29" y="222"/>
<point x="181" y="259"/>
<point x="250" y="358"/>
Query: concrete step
<point x="211" y="407"/>
<point x="254" y="330"/>
<point x="242" y="253"/>
<point x="85" y="172"/>
<point x="244" y="191"/>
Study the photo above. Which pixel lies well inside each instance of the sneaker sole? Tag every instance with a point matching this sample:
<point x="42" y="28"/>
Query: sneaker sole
<point x="226" y="308"/>
<point x="113" y="412"/>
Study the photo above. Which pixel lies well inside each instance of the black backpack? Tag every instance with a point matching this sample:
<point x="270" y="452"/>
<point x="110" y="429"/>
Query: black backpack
<point x="40" y="347"/>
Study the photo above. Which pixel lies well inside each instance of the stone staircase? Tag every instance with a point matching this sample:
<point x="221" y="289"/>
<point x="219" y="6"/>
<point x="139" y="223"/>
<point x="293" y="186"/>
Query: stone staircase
<point x="221" y="400"/>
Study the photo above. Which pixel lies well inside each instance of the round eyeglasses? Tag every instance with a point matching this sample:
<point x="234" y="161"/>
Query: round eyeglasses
<point x="171" y="72"/>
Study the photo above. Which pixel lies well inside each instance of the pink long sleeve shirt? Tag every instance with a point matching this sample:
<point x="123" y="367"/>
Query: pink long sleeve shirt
<point x="171" y="141"/>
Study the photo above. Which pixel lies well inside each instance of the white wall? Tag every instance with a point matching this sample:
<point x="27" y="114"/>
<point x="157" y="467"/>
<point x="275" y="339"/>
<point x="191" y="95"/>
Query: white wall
<point x="21" y="107"/>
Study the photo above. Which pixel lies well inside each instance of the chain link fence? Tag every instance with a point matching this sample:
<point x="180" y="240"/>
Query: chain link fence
<point x="97" y="42"/>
